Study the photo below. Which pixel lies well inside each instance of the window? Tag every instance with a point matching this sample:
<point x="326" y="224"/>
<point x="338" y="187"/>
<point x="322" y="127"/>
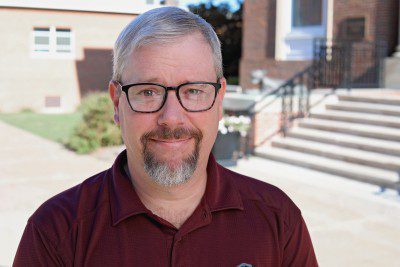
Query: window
<point x="299" y="22"/>
<point x="307" y="13"/>
<point x="63" y="41"/>
<point x="52" y="101"/>
<point x="41" y="39"/>
<point x="150" y="2"/>
<point x="52" y="42"/>
<point x="354" y="29"/>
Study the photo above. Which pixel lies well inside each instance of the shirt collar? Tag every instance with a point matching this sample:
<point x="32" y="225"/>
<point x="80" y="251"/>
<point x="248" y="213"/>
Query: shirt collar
<point x="220" y="194"/>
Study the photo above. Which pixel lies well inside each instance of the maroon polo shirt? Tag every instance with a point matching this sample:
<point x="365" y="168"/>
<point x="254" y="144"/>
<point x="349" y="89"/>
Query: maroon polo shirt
<point x="102" y="222"/>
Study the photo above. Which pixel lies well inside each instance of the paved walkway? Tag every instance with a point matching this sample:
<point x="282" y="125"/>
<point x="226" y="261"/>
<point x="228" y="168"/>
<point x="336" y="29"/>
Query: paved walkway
<point x="33" y="169"/>
<point x="350" y="223"/>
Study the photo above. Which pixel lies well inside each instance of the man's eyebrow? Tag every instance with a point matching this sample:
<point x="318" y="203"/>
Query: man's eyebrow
<point x="151" y="80"/>
<point x="157" y="80"/>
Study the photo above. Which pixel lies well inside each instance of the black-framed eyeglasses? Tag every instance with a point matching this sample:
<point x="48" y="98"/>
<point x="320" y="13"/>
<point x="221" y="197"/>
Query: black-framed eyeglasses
<point x="151" y="97"/>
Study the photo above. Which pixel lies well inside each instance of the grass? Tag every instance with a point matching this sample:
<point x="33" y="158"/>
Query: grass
<point x="56" y="127"/>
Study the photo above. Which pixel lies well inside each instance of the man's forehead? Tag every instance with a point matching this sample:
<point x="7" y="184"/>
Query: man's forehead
<point x="189" y="54"/>
<point x="162" y="43"/>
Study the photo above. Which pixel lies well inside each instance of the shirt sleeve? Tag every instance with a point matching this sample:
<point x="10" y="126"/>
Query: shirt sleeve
<point x="35" y="249"/>
<point x="299" y="250"/>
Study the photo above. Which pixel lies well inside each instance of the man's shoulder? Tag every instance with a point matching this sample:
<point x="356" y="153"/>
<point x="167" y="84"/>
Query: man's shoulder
<point x="60" y="212"/>
<point x="251" y="189"/>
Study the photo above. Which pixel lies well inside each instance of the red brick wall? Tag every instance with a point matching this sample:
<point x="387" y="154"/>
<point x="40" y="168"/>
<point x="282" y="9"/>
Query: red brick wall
<point x="266" y="125"/>
<point x="259" y="21"/>
<point x="381" y="18"/>
<point x="275" y="69"/>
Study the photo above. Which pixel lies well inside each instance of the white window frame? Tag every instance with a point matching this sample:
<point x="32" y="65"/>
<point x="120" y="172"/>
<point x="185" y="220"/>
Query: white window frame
<point x="41" y="48"/>
<point x="53" y="47"/>
<point x="296" y="42"/>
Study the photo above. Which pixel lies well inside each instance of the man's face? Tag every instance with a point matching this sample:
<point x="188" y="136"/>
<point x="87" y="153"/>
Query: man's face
<point x="170" y="144"/>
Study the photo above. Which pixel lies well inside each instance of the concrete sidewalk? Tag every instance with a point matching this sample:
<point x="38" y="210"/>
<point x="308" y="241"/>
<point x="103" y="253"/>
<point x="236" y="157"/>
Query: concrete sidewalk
<point x="33" y="169"/>
<point x="351" y="224"/>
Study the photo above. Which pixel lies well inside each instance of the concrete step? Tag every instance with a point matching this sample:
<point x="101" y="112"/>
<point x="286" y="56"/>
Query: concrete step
<point x="383" y="178"/>
<point x="390" y="110"/>
<point x="346" y="140"/>
<point x="352" y="155"/>
<point x="369" y="99"/>
<point x="378" y="132"/>
<point x="373" y="119"/>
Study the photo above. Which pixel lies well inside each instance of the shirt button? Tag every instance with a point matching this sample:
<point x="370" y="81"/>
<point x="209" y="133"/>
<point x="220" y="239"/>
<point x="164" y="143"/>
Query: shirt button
<point x="204" y="215"/>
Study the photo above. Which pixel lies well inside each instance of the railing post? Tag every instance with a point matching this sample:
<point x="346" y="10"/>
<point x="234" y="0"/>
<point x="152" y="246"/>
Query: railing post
<point x="309" y="88"/>
<point x="300" y="97"/>
<point x="348" y="64"/>
<point x="283" y="111"/>
<point x="381" y="52"/>
<point x="291" y="92"/>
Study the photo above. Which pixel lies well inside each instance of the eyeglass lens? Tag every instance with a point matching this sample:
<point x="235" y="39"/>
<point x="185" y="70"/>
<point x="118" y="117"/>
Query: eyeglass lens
<point x="193" y="97"/>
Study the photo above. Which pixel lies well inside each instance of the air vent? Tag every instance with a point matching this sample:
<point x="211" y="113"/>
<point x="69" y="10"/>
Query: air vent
<point x="52" y="101"/>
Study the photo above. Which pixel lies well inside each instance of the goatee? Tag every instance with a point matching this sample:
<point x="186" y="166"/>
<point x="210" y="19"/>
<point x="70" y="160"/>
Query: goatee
<point x="161" y="171"/>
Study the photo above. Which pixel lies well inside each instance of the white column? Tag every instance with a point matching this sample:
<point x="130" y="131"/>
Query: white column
<point x="397" y="54"/>
<point x="283" y="21"/>
<point x="329" y="21"/>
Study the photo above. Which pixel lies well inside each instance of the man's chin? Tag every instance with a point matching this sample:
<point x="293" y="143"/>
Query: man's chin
<point x="169" y="171"/>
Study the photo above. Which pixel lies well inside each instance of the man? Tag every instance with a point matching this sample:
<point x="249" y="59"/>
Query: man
<point x="165" y="201"/>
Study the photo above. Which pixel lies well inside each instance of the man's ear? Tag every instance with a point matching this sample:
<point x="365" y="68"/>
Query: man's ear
<point x="220" y="97"/>
<point x="115" y="93"/>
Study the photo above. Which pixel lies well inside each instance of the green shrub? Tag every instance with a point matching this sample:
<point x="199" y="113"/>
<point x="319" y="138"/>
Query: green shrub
<point x="233" y="80"/>
<point x="26" y="110"/>
<point x="97" y="128"/>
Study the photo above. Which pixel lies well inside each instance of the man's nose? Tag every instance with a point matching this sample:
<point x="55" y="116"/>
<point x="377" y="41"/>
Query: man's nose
<point x="172" y="113"/>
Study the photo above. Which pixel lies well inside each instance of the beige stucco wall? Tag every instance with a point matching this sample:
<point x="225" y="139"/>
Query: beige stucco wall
<point x="25" y="81"/>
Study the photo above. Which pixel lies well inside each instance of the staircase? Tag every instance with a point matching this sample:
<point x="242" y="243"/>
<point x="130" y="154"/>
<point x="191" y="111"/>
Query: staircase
<point x="355" y="136"/>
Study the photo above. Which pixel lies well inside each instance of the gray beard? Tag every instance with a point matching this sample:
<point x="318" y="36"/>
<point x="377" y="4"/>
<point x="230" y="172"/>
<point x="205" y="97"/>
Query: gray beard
<point x="164" y="175"/>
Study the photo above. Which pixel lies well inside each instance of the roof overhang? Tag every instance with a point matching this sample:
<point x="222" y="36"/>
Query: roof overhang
<point x="101" y="6"/>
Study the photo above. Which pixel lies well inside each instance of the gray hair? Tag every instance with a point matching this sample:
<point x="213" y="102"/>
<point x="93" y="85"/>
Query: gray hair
<point x="162" y="26"/>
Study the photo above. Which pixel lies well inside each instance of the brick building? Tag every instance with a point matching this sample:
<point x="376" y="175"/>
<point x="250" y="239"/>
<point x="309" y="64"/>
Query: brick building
<point x="278" y="34"/>
<point x="55" y="52"/>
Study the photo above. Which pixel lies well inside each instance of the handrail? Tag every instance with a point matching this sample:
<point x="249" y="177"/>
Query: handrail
<point x="301" y="81"/>
<point x="275" y="91"/>
<point x="336" y="64"/>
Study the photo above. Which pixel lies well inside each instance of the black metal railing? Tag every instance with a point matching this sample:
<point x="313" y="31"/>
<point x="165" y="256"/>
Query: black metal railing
<point x="348" y="64"/>
<point x="336" y="64"/>
<point x="294" y="95"/>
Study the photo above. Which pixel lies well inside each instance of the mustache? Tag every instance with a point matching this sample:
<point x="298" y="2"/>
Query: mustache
<point x="166" y="133"/>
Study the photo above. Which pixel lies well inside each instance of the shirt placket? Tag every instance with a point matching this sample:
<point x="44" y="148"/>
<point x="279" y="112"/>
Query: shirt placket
<point x="180" y="244"/>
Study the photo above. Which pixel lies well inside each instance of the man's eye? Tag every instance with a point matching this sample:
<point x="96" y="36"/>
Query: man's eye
<point x="194" y="92"/>
<point x="148" y="92"/>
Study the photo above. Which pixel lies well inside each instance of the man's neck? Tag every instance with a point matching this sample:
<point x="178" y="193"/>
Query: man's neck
<point x="174" y="204"/>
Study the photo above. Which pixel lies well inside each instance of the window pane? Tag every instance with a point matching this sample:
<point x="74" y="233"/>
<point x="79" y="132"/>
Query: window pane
<point x="63" y="30"/>
<point x="44" y="49"/>
<point x="63" y="41"/>
<point x="42" y="40"/>
<point x="41" y="29"/>
<point x="63" y="50"/>
<point x="307" y="12"/>
<point x="354" y="29"/>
